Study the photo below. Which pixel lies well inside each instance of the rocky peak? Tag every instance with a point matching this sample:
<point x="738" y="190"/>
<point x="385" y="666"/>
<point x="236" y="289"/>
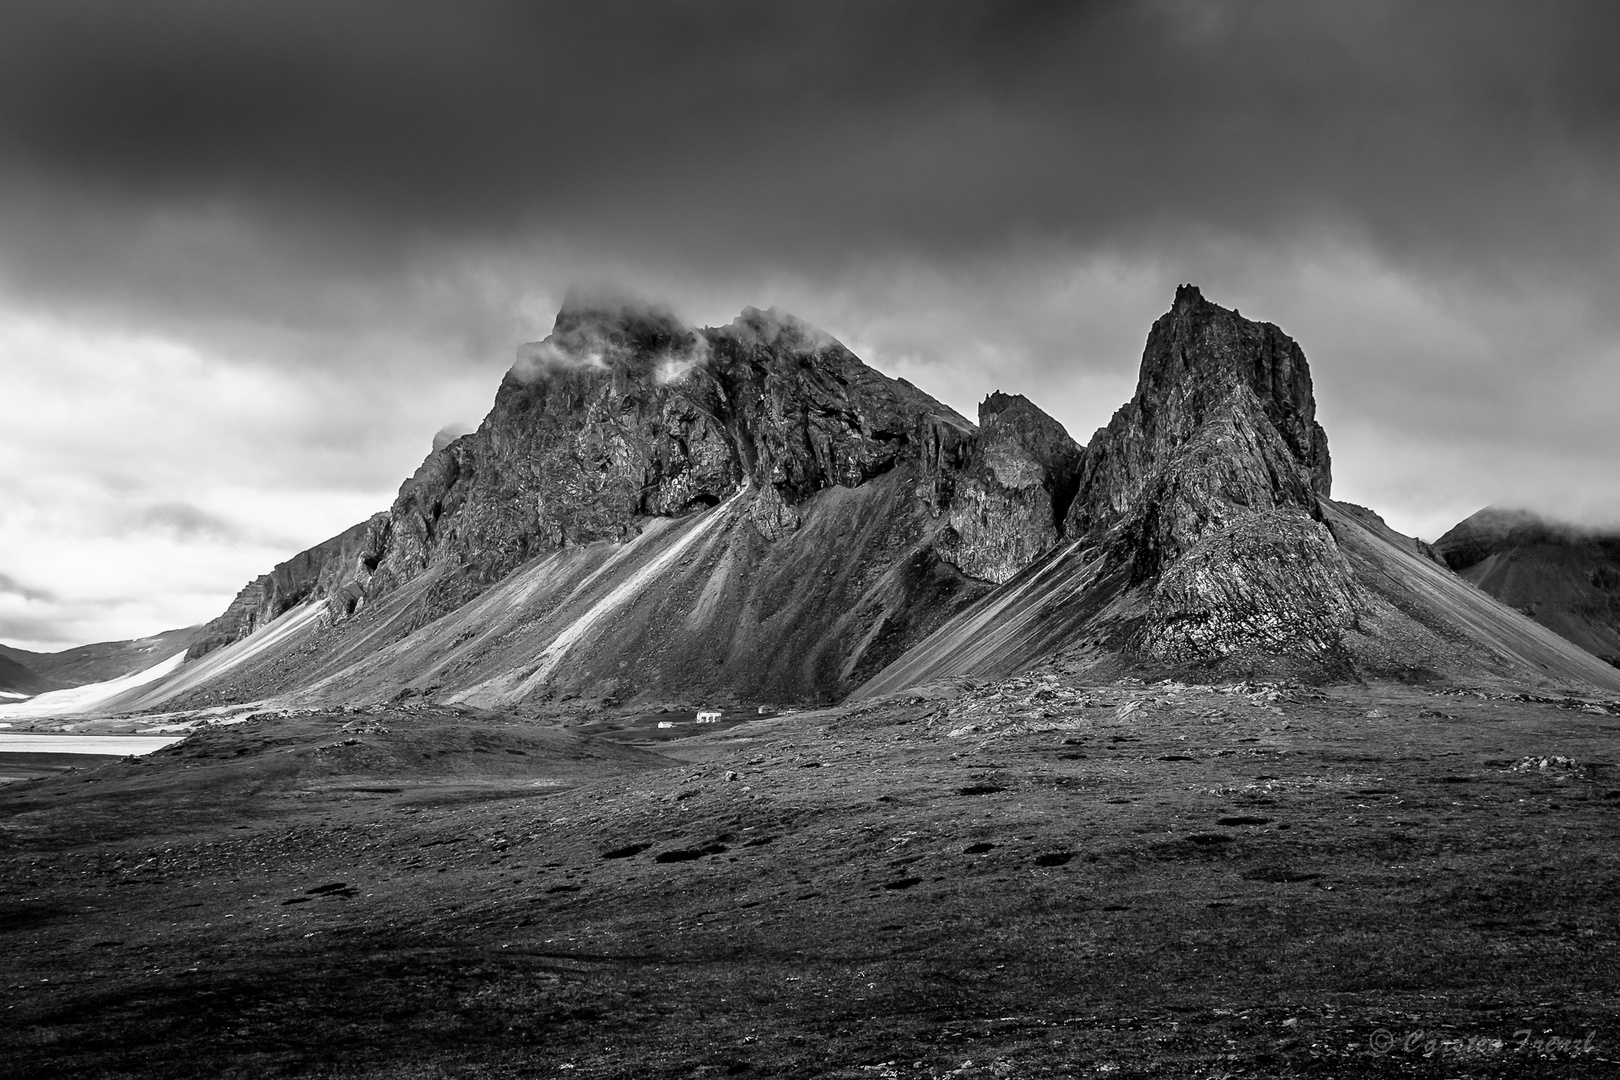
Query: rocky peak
<point x="605" y="336"/>
<point x="1200" y="356"/>
<point x="1223" y="417"/>
<point x="1009" y="494"/>
<point x="779" y="330"/>
<point x="1205" y="486"/>
<point x="606" y="313"/>
<point x="334" y="570"/>
<point x="624" y="412"/>
<point x="1014" y="419"/>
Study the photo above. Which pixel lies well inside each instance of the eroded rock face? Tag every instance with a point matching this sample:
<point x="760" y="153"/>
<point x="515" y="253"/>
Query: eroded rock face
<point x="1206" y="484"/>
<point x="1008" y="502"/>
<point x="334" y="570"/>
<point x="624" y="414"/>
<point x="1191" y="521"/>
<point x="1265" y="586"/>
<point x="1223" y="418"/>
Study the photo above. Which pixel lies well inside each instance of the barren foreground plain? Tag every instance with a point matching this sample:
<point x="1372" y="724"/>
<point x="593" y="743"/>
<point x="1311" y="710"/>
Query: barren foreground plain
<point x="1031" y="878"/>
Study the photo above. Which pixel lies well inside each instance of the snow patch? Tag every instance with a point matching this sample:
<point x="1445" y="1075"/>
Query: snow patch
<point x="91" y="696"/>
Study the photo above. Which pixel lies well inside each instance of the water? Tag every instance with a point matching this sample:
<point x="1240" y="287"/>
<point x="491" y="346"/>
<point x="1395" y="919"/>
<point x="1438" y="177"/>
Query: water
<point x="108" y="745"/>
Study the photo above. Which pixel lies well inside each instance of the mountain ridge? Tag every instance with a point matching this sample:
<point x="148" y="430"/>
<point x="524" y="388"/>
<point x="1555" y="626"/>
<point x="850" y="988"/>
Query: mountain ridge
<point x="749" y="513"/>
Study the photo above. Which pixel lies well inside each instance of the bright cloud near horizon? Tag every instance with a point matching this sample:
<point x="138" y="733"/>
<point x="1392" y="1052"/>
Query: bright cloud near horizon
<point x="253" y="256"/>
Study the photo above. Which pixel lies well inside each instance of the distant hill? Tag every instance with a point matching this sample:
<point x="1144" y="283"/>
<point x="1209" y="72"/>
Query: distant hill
<point x="17" y="678"/>
<point x="35" y="673"/>
<point x="1565" y="577"/>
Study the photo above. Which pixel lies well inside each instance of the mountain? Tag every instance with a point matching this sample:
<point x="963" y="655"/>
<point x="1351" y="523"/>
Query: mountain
<point x="1565" y="577"/>
<point x="1202" y="539"/>
<point x="741" y="513"/>
<point x="653" y="514"/>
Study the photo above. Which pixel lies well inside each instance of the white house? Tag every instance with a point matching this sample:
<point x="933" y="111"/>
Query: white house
<point x="708" y="716"/>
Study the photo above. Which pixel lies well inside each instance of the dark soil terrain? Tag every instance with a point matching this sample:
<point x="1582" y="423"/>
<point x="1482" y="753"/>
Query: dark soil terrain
<point x="1027" y="878"/>
<point x="26" y="766"/>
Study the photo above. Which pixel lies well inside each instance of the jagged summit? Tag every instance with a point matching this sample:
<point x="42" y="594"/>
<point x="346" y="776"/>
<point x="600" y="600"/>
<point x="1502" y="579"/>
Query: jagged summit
<point x="1205" y="487"/>
<point x="609" y="305"/>
<point x="602" y="330"/>
<point x="1010" y="494"/>
<point x="1205" y="349"/>
<point x="774" y="328"/>
<point x="1222" y="403"/>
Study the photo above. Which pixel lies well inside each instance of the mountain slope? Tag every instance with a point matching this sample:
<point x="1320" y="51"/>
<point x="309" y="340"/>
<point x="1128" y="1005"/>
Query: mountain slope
<point x="1564" y="577"/>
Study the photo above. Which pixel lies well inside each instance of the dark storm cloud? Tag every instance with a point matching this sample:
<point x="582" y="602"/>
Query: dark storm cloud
<point x="9" y="584"/>
<point x="776" y="131"/>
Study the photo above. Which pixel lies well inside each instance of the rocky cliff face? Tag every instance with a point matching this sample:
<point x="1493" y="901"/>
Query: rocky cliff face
<point x="623" y="414"/>
<point x="1201" y="493"/>
<point x="1206" y="486"/>
<point x="1224" y="417"/>
<point x="1008" y="500"/>
<point x="336" y="570"/>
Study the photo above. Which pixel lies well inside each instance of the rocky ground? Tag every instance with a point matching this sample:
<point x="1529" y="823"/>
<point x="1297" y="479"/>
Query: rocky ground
<point x="1029" y="878"/>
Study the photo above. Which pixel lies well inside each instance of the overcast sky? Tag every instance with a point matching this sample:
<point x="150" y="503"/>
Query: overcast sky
<point x="254" y="255"/>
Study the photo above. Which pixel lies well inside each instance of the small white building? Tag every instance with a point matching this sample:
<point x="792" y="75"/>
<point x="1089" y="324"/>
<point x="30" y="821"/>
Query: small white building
<point x="708" y="716"/>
